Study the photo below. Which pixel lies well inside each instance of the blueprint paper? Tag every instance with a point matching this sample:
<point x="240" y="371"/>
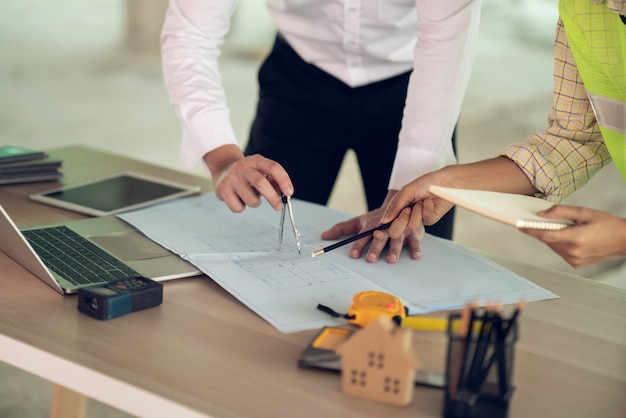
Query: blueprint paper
<point x="240" y="252"/>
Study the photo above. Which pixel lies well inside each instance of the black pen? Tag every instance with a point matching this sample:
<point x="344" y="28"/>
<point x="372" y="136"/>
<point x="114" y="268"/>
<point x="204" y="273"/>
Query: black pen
<point x="351" y="239"/>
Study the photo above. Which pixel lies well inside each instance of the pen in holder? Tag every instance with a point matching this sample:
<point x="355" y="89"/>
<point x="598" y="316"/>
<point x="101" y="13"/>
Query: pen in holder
<point x="479" y="365"/>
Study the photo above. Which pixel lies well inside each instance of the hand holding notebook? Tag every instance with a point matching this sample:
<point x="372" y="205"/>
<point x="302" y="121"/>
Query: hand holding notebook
<point x="517" y="210"/>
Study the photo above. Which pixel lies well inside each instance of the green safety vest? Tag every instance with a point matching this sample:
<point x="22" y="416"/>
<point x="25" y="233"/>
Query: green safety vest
<point x="597" y="39"/>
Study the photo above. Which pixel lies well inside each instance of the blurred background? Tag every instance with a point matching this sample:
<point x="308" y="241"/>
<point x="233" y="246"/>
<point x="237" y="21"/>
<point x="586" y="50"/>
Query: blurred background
<point x="88" y="72"/>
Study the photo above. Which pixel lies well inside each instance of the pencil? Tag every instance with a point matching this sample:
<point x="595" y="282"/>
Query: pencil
<point x="503" y="366"/>
<point x="457" y="364"/>
<point x="483" y="342"/>
<point x="351" y="239"/>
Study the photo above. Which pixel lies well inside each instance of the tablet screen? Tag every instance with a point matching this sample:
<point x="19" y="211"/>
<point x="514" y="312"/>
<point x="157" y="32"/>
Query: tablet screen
<point x="115" y="194"/>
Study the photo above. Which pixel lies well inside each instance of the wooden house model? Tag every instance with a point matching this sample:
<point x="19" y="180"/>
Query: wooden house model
<point x="378" y="363"/>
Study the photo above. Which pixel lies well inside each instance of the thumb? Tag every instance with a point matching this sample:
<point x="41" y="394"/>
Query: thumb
<point x="574" y="213"/>
<point x="397" y="203"/>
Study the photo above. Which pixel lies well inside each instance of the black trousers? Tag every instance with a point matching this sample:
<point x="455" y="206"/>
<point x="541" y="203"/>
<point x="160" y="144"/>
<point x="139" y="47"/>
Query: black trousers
<point x="307" y="120"/>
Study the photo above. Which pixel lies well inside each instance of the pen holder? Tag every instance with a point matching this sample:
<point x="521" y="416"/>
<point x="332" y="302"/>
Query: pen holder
<point x="479" y="369"/>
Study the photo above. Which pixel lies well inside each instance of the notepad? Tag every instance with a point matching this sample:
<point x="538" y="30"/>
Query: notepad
<point x="517" y="210"/>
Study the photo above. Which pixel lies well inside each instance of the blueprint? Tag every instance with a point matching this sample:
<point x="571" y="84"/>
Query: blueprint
<point x="240" y="252"/>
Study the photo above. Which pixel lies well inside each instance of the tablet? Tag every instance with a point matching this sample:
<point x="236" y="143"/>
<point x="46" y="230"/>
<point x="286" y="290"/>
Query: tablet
<point x="114" y="194"/>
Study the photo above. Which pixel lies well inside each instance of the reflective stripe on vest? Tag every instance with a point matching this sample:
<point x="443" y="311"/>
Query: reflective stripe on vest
<point x="610" y="113"/>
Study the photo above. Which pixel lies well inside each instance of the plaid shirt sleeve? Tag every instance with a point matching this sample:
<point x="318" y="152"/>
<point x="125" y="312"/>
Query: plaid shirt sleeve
<point x="571" y="150"/>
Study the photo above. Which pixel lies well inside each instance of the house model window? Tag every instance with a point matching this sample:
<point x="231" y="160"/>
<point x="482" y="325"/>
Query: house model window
<point x="378" y="363"/>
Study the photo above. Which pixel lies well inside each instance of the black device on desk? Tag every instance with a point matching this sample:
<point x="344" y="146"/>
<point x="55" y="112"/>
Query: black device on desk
<point x="119" y="297"/>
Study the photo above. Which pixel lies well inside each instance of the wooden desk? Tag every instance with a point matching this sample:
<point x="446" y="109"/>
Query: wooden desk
<point x="202" y="353"/>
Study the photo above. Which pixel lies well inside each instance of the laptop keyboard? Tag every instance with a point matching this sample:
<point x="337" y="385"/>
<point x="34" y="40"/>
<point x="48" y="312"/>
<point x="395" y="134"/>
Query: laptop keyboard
<point x="74" y="257"/>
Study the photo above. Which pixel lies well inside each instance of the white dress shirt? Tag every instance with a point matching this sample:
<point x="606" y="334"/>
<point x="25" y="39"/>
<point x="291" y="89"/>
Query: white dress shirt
<point x="357" y="41"/>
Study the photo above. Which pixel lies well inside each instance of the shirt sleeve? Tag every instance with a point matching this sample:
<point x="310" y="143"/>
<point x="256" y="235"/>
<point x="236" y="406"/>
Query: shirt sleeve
<point x="571" y="150"/>
<point x="191" y="40"/>
<point x="443" y="56"/>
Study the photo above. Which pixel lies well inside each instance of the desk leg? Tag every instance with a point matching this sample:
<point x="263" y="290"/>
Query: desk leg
<point x="67" y="404"/>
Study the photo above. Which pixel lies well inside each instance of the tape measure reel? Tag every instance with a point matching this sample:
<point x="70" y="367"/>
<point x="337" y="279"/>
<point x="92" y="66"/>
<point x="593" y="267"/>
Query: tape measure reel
<point x="370" y="304"/>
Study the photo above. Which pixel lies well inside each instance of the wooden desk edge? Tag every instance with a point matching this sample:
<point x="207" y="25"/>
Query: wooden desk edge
<point x="67" y="375"/>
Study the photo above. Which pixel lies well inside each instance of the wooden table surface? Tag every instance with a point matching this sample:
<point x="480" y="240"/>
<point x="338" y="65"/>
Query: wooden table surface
<point x="203" y="353"/>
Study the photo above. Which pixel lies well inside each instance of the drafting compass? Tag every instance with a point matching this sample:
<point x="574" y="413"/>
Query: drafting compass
<point x="281" y="226"/>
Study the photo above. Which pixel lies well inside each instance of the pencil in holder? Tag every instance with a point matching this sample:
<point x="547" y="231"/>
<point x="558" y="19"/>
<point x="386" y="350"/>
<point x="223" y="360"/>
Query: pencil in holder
<point x="479" y="368"/>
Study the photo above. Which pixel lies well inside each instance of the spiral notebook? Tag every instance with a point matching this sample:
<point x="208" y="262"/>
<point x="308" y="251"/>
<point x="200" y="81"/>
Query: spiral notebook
<point x="517" y="210"/>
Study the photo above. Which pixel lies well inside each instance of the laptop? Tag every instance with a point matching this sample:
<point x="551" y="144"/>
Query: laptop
<point x="96" y="250"/>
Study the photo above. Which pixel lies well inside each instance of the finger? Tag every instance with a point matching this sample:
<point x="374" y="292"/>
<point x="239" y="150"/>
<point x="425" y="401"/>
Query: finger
<point x="543" y="235"/>
<point x="414" y="243"/>
<point x="572" y="255"/>
<point x="428" y="212"/>
<point x="357" y="247"/>
<point x="278" y="175"/>
<point x="236" y="189"/>
<point x="398" y="202"/>
<point x="278" y="181"/>
<point x="231" y="199"/>
<point x="416" y="220"/>
<point x="575" y="213"/>
<point x="562" y="242"/>
<point x="257" y="184"/>
<point x="400" y="224"/>
<point x="350" y="227"/>
<point x="377" y="245"/>
<point x="394" y="250"/>
<point x="250" y="197"/>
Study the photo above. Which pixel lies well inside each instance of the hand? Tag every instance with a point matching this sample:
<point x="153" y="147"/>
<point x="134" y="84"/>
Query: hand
<point x="596" y="236"/>
<point x="241" y="181"/>
<point x="498" y="174"/>
<point x="378" y="242"/>
<point x="413" y="207"/>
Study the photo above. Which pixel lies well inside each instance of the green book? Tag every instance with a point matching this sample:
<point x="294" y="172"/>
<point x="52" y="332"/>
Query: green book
<point x="10" y="153"/>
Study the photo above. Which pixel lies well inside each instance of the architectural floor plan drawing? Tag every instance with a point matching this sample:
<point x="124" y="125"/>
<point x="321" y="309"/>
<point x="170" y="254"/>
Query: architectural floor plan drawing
<point x="292" y="273"/>
<point x="240" y="252"/>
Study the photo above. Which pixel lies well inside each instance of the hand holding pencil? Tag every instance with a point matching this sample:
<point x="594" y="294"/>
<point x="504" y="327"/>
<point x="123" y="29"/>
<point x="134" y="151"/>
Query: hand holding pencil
<point x="408" y="237"/>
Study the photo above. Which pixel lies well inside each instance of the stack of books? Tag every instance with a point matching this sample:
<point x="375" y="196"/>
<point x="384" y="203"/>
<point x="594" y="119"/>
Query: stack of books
<point x="23" y="165"/>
